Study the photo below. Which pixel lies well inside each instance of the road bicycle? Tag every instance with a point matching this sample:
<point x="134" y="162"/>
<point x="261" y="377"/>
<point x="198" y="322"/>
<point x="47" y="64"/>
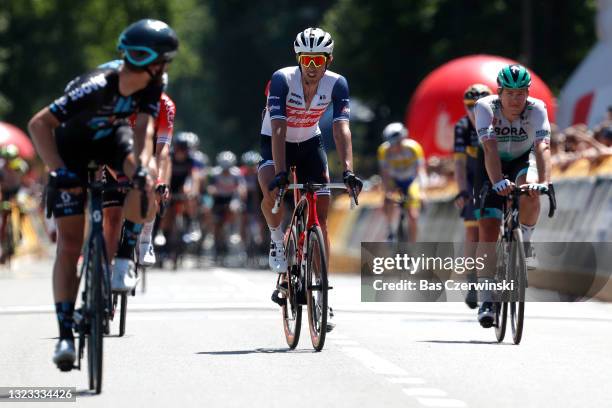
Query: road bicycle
<point x="511" y="262"/>
<point x="307" y="267"/>
<point x="93" y="316"/>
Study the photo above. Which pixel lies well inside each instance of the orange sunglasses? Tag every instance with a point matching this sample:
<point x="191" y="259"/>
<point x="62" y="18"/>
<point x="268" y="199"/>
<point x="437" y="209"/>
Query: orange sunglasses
<point x="317" y="60"/>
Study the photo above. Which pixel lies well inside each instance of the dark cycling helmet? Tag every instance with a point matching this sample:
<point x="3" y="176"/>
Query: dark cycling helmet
<point x="147" y="42"/>
<point x="226" y="159"/>
<point x="514" y="76"/>
<point x="250" y="158"/>
<point x="474" y="92"/>
<point x="9" y="152"/>
<point x="183" y="140"/>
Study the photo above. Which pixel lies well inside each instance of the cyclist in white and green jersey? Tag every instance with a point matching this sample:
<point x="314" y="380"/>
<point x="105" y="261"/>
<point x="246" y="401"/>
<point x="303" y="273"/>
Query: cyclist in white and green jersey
<point x="510" y="125"/>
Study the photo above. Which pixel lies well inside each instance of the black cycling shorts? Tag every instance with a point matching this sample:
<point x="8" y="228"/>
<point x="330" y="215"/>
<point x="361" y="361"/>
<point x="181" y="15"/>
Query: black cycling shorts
<point x="309" y="157"/>
<point x="77" y="151"/>
<point x="494" y="203"/>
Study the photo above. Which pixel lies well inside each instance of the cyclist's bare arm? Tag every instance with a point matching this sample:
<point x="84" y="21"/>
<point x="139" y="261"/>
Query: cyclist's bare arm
<point x="41" y="129"/>
<point x="422" y="177"/>
<point x="279" y="134"/>
<point x="460" y="175"/>
<point x="492" y="160"/>
<point x="344" y="146"/>
<point x="543" y="162"/>
<point x="162" y="157"/>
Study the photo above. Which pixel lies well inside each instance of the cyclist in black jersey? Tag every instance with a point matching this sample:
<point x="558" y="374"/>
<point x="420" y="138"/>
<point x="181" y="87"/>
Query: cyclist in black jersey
<point x="466" y="161"/>
<point x="89" y="123"/>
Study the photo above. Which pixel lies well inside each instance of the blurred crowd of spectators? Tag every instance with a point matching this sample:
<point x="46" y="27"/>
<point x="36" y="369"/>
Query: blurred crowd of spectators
<point x="579" y="142"/>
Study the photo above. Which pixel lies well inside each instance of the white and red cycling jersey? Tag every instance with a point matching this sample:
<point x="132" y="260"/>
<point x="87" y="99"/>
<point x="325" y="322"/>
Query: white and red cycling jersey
<point x="286" y="101"/>
<point x="164" y="123"/>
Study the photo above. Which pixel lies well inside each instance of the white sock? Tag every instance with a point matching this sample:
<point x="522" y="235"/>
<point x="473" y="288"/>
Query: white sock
<point x="276" y="233"/>
<point x="147" y="232"/>
<point x="527" y="231"/>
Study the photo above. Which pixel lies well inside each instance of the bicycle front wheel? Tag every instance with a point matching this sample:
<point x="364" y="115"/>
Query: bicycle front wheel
<point x="95" y="313"/>
<point x="316" y="288"/>
<point x="292" y="310"/>
<point x="518" y="272"/>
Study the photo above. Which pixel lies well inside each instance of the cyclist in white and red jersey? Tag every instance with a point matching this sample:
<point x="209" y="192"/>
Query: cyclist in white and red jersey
<point x="298" y="97"/>
<point x="510" y="125"/>
<point x="124" y="278"/>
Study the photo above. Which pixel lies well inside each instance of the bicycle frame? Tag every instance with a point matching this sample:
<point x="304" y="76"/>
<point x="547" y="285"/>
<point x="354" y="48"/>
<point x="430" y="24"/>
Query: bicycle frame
<point x="95" y="240"/>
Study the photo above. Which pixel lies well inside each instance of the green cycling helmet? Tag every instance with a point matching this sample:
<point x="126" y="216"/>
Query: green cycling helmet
<point x="9" y="152"/>
<point x="514" y="77"/>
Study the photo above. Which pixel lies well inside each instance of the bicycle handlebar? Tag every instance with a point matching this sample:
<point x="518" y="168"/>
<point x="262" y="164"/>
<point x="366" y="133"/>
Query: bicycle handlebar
<point x="549" y="191"/>
<point x="313" y="187"/>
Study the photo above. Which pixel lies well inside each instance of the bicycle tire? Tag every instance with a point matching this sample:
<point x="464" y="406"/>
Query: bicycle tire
<point x="95" y="307"/>
<point x="317" y="308"/>
<point x="9" y="248"/>
<point x="501" y="308"/>
<point x="292" y="310"/>
<point x="518" y="271"/>
<point x="123" y="314"/>
<point x="401" y="231"/>
<point x="501" y="318"/>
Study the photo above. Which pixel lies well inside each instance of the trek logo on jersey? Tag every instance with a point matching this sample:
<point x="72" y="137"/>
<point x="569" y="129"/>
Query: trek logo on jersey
<point x="299" y="117"/>
<point x="93" y="84"/>
<point x="296" y="95"/>
<point x="295" y="102"/>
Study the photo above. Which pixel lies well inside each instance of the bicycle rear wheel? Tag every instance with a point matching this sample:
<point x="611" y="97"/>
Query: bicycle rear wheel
<point x="316" y="287"/>
<point x="123" y="314"/>
<point x="518" y="272"/>
<point x="95" y="314"/>
<point x="292" y="310"/>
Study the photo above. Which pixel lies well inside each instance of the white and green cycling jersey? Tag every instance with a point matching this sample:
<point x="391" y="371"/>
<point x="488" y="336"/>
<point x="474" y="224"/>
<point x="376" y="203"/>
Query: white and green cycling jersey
<point x="513" y="138"/>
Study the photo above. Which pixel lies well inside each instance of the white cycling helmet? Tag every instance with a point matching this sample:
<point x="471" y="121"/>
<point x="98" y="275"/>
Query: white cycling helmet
<point x="394" y="132"/>
<point x="226" y="159"/>
<point x="313" y="40"/>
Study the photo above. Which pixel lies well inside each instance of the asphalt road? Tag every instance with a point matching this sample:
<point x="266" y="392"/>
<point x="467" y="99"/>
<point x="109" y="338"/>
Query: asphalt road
<point x="212" y="338"/>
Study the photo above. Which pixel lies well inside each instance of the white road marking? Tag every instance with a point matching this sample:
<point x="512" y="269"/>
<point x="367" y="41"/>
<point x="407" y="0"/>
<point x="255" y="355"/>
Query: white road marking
<point x="441" y="402"/>
<point x="406" y="380"/>
<point x="373" y="362"/>
<point x="424" y="392"/>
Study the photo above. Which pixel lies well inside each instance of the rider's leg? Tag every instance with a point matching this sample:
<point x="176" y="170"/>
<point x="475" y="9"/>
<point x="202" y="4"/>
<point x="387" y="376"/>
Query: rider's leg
<point x="388" y="213"/>
<point x="70" y="232"/>
<point x="112" y="219"/>
<point x="124" y="278"/>
<point x="529" y="211"/>
<point x="265" y="177"/>
<point x="277" y="260"/>
<point x="413" y="222"/>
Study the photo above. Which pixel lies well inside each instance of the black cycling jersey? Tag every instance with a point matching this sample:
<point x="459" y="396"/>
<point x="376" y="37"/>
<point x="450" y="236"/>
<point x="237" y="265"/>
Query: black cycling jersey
<point x="466" y="142"/>
<point x="94" y="126"/>
<point x="181" y="170"/>
<point x="466" y="139"/>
